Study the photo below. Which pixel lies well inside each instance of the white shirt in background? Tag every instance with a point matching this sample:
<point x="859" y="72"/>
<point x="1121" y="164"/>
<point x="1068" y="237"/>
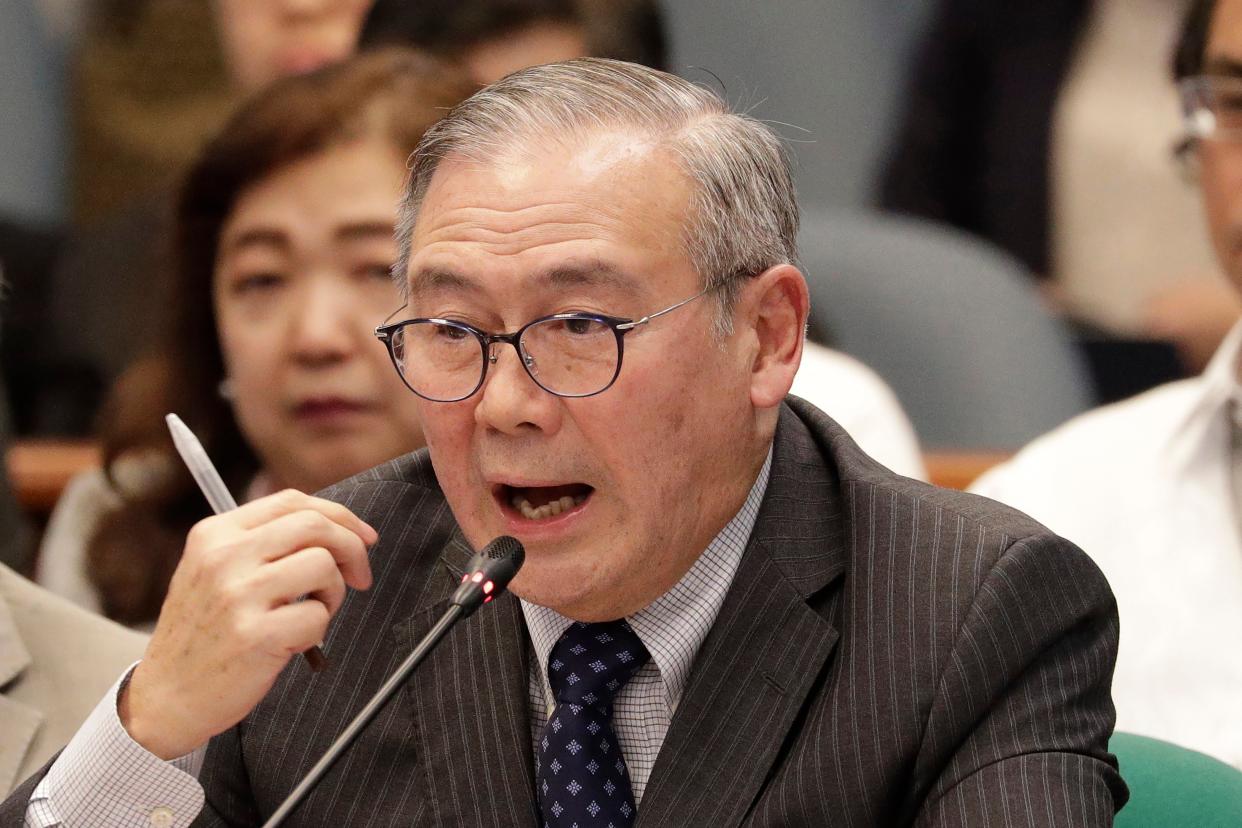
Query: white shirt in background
<point x="1146" y="488"/>
<point x="863" y="404"/>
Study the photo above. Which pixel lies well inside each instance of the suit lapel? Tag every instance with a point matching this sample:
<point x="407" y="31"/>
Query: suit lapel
<point x="766" y="651"/>
<point x="470" y="703"/>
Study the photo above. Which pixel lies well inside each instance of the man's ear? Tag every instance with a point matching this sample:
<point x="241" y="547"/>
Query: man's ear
<point x="779" y="304"/>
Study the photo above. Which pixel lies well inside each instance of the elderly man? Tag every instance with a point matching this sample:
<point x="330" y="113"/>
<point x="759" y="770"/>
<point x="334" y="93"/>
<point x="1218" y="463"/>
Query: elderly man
<point x="1152" y="487"/>
<point x="784" y="631"/>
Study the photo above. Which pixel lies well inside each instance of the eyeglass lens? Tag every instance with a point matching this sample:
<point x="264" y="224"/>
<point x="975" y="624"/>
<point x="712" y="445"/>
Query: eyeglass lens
<point x="1215" y="107"/>
<point x="445" y="362"/>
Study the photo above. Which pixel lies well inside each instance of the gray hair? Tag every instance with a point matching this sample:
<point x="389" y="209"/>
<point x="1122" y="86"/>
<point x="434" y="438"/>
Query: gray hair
<point x="743" y="212"/>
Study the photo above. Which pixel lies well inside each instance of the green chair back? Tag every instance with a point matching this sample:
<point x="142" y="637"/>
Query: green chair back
<point x="1174" y="787"/>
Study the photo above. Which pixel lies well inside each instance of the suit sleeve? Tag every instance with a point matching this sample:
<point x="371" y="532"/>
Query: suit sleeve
<point x="1019" y="729"/>
<point x="226" y="785"/>
<point x="13" y="808"/>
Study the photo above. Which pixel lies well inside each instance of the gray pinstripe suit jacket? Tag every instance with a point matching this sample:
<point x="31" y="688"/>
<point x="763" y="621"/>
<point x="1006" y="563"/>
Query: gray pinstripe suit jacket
<point x="889" y="654"/>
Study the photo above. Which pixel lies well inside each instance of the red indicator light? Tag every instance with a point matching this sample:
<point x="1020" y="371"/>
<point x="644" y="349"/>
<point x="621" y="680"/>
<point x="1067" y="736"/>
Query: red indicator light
<point x="465" y="578"/>
<point x="476" y="577"/>
<point x="488" y="598"/>
<point x="488" y="587"/>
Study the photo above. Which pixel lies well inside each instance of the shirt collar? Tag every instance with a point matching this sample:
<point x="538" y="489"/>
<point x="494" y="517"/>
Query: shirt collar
<point x="674" y="626"/>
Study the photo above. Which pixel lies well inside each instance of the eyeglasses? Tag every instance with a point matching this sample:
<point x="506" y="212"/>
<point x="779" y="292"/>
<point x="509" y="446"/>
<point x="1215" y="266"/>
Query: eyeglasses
<point x="566" y="354"/>
<point x="1212" y="107"/>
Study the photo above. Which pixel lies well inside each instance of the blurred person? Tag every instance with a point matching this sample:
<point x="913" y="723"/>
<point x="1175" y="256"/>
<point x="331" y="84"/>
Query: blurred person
<point x="495" y="37"/>
<point x="147" y="86"/>
<point x="1047" y="127"/>
<point x="154" y="79"/>
<point x="728" y="614"/>
<point x="55" y="660"/>
<point x="284" y="243"/>
<point x="265" y="40"/>
<point x="1151" y="487"/>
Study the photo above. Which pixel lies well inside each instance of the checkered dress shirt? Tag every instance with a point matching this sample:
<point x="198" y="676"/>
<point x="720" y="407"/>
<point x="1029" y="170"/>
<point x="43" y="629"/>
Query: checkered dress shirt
<point x="672" y="628"/>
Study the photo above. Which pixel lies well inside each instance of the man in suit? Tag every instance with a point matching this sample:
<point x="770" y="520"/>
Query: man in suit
<point x="727" y="614"/>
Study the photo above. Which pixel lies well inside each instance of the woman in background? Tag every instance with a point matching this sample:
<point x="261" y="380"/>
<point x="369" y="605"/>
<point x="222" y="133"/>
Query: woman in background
<point x="283" y="246"/>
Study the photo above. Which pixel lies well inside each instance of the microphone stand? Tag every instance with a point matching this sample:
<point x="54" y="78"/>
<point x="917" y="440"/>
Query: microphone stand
<point x="487" y="575"/>
<point x="365" y="716"/>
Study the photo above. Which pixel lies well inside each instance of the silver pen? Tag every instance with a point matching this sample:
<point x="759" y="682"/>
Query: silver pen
<point x="217" y="494"/>
<point x="199" y="464"/>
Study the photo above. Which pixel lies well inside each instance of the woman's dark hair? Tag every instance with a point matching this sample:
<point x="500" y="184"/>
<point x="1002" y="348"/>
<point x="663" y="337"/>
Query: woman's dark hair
<point x="394" y="93"/>
<point x="1191" y="52"/>
<point x="630" y="30"/>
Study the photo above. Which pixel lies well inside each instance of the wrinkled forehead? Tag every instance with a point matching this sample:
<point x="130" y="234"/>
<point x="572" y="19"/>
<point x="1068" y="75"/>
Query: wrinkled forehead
<point x="615" y="198"/>
<point x="618" y="166"/>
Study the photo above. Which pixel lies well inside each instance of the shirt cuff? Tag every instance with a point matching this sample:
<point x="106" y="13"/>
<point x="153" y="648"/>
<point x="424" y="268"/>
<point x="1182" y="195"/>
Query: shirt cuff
<point x="104" y="777"/>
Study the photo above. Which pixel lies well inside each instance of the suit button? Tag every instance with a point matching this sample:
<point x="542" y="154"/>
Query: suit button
<point x="161" y="817"/>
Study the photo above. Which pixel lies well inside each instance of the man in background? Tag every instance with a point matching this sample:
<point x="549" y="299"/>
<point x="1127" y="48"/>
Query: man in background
<point x="1151" y="487"/>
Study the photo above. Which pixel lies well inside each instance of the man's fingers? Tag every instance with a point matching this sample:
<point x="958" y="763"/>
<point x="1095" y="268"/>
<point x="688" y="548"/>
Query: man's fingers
<point x="266" y="509"/>
<point x="296" y="627"/>
<point x="309" y="528"/>
<point x="310" y="572"/>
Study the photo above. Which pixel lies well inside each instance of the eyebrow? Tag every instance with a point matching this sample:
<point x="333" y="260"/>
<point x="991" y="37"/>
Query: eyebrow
<point x="591" y="273"/>
<point x="1229" y="67"/>
<point x="272" y="237"/>
<point x="363" y="230"/>
<point x="256" y="237"/>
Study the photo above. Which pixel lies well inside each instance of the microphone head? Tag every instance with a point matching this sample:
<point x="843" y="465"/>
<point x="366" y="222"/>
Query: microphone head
<point x="489" y="572"/>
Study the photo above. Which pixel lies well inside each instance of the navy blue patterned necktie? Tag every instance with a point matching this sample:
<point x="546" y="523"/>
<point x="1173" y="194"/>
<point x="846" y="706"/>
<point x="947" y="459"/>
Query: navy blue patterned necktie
<point x="581" y="775"/>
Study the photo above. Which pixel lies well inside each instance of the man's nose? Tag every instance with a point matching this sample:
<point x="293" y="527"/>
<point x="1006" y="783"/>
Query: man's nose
<point x="510" y="401"/>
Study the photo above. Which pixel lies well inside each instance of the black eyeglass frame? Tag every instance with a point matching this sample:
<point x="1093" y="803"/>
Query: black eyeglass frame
<point x="619" y="326"/>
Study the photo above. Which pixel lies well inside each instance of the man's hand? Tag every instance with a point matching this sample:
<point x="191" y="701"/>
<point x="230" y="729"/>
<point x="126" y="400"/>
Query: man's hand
<point x="232" y="620"/>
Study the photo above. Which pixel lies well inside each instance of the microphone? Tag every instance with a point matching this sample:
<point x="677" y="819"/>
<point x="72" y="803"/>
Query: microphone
<point x="487" y="575"/>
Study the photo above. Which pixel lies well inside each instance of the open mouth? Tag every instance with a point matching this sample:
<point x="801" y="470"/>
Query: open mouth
<point x="543" y="502"/>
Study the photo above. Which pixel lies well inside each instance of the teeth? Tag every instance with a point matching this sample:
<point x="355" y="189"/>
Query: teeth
<point x="552" y="509"/>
